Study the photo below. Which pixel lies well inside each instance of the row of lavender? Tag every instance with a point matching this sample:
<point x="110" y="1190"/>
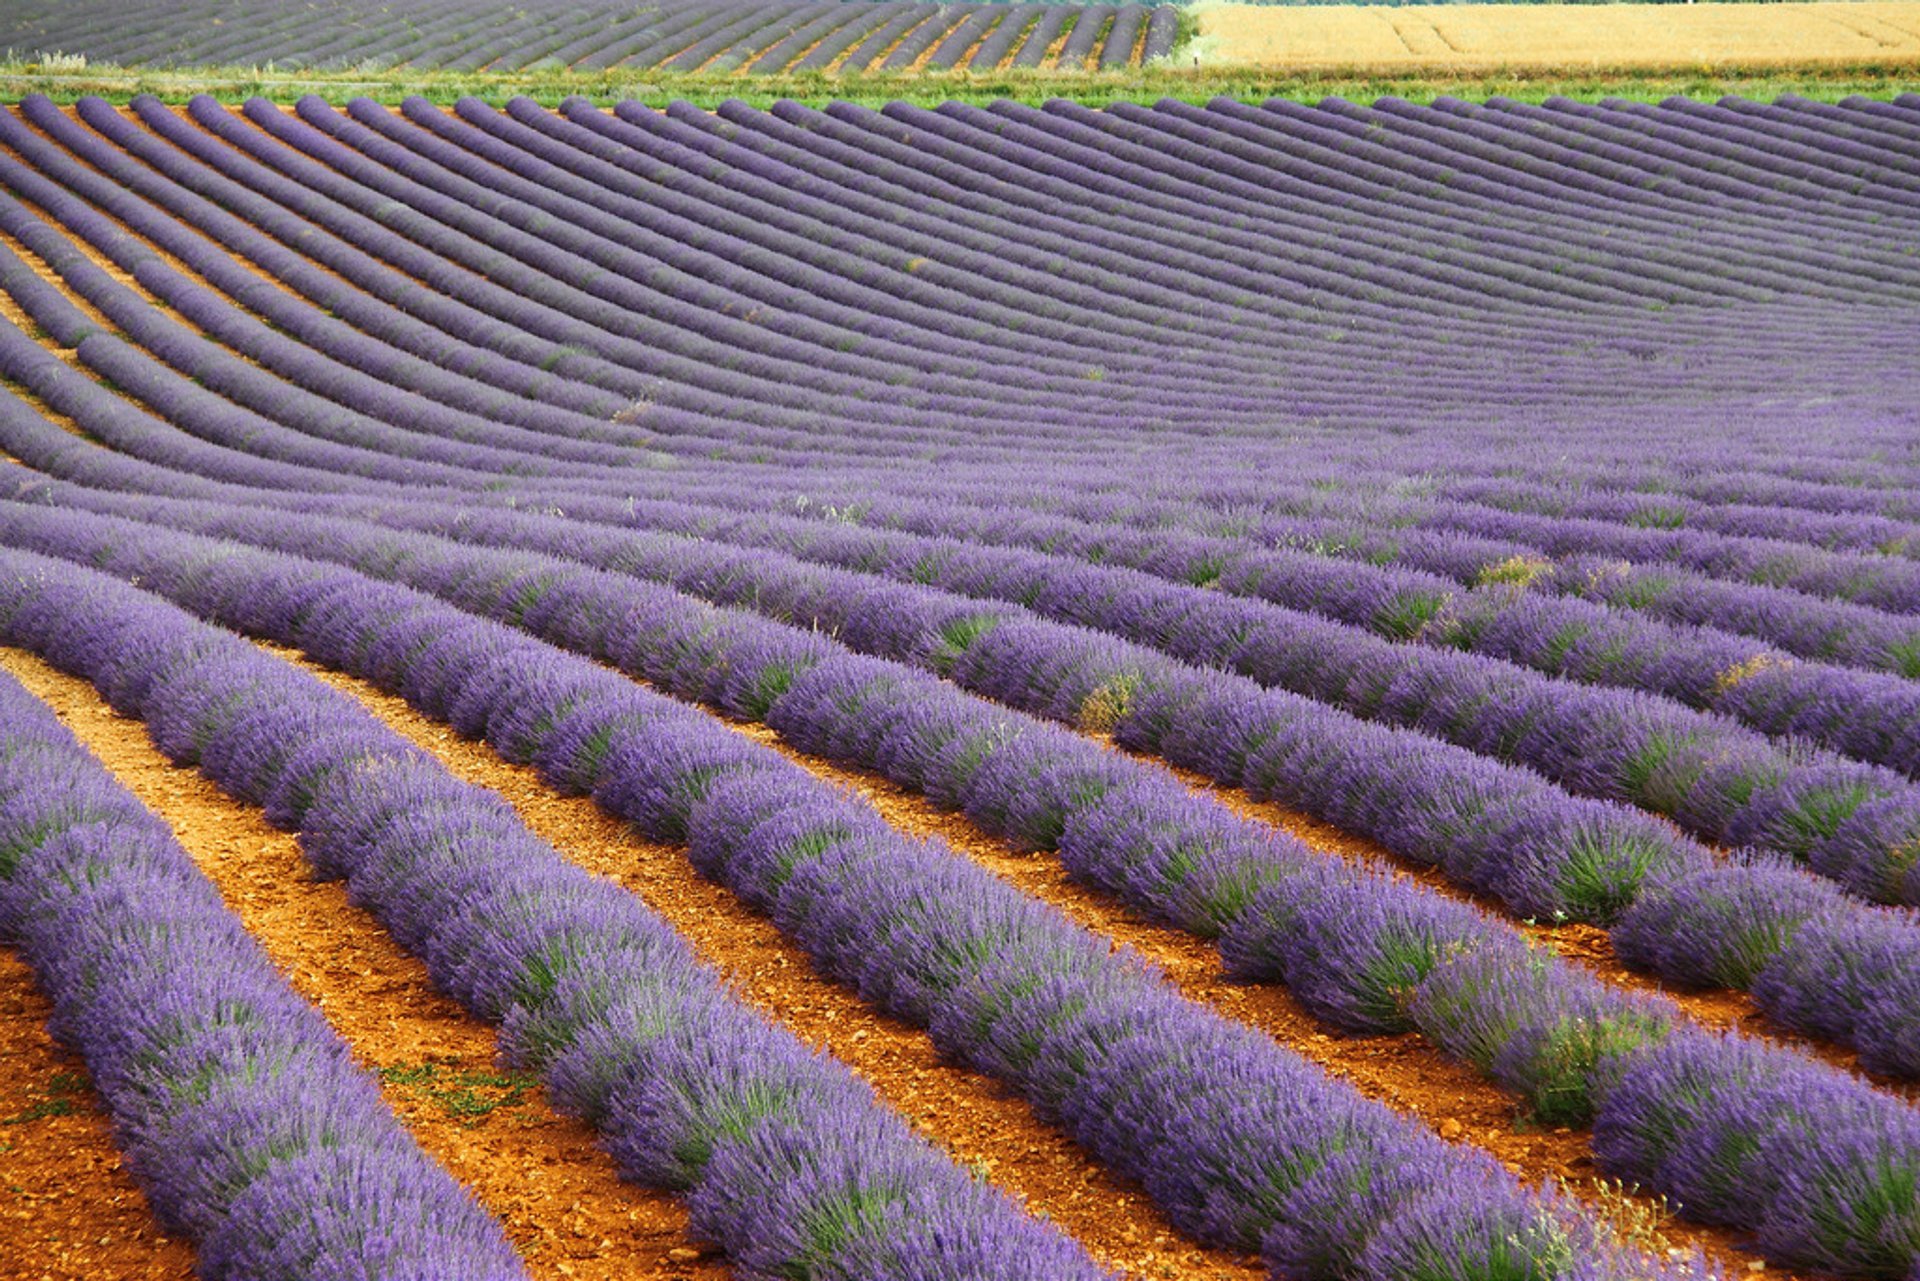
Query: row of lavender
<point x="1851" y="569"/>
<point x="1361" y="949"/>
<point x="1888" y="640"/>
<point x="726" y="367"/>
<point x="1814" y="960"/>
<point x="1265" y="1152"/>
<point x="1544" y="872"/>
<point x="1809" y="819"/>
<point x="494" y="37"/>
<point x="291" y="1164"/>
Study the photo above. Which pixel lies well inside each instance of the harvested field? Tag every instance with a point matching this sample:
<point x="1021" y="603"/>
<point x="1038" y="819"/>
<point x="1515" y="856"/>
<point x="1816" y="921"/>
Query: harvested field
<point x="1466" y="39"/>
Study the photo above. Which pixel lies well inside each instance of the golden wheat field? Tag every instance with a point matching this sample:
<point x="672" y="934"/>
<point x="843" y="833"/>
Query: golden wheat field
<point x="1502" y="36"/>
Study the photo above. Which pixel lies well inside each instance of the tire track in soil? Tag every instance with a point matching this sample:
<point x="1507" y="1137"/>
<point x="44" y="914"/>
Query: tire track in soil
<point x="69" y="1210"/>
<point x="538" y="1172"/>
<point x="982" y="1123"/>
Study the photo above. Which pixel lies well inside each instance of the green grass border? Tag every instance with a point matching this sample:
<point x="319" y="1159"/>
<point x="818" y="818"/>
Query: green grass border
<point x="1140" y="84"/>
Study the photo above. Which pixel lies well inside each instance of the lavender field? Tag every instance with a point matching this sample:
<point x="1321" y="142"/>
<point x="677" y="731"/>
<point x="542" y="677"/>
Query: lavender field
<point x="1243" y="633"/>
<point x="599" y="36"/>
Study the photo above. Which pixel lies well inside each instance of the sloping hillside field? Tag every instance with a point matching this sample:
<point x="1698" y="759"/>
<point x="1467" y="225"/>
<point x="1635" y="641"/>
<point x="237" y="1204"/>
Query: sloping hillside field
<point x="1315" y="691"/>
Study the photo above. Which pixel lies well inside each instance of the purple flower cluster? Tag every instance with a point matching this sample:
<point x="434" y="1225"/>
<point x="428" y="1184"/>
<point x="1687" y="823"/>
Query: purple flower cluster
<point x="1823" y="1178"/>
<point x="1096" y="1041"/>
<point x="243" y="1116"/>
<point x="690" y="1089"/>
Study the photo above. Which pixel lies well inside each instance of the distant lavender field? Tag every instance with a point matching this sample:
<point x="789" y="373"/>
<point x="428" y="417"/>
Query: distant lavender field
<point x="1533" y="491"/>
<point x="498" y="36"/>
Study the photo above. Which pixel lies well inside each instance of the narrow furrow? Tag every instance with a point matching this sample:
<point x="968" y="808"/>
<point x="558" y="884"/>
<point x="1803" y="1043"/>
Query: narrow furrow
<point x="70" y="1210"/>
<point x="981" y="1123"/>
<point x="538" y="1172"/>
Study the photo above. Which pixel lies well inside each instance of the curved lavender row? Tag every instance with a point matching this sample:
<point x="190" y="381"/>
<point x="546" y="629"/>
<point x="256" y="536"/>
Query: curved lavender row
<point x="116" y="198"/>
<point x="1074" y="144"/>
<point x="1763" y="680"/>
<point x="1259" y="933"/>
<point x="1564" y="857"/>
<point x="690" y="1089"/>
<point x="1868" y="717"/>
<point x="1834" y="531"/>
<point x="1163" y="29"/>
<point x="1852" y="823"/>
<point x="593" y="315"/>
<point x="1446" y="136"/>
<point x="420" y="149"/>
<point x="878" y="137"/>
<point x="1118" y="48"/>
<point x="1000" y="388"/>
<point x="1265" y="1152"/>
<point x="548" y="389"/>
<point x="1875" y="581"/>
<point x="1825" y="629"/>
<point x="1752" y="684"/>
<point x="1033" y="50"/>
<point x="251" y="410"/>
<point x="456" y="312"/>
<point x="1088" y="27"/>
<point x="1396" y="838"/>
<point x="1656" y="765"/>
<point x="1291" y="143"/>
<point x="1782" y="933"/>
<point x="471" y="438"/>
<point x="243" y="1116"/>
